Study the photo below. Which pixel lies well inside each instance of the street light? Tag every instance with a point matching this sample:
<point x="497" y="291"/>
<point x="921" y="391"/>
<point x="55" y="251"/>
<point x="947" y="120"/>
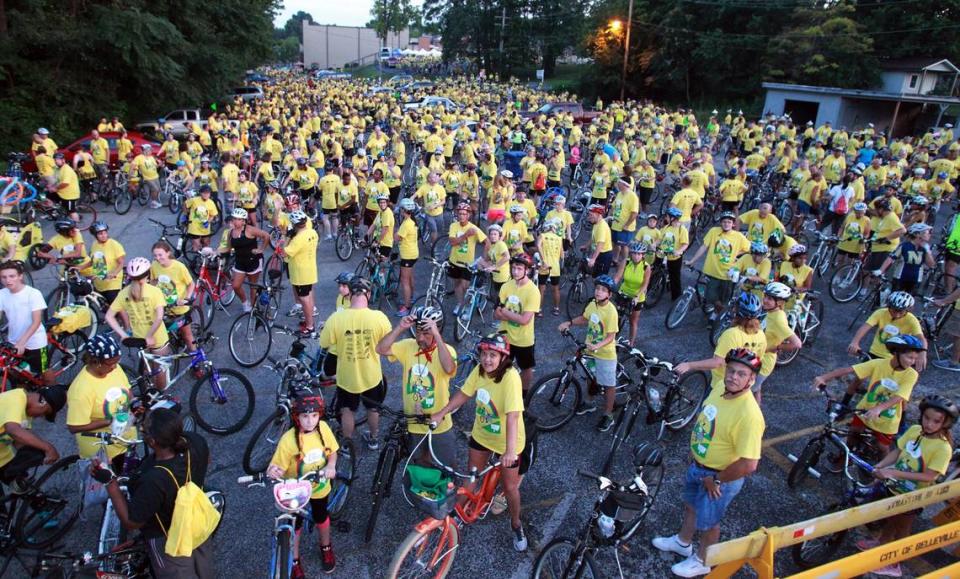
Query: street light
<point x="615" y="26"/>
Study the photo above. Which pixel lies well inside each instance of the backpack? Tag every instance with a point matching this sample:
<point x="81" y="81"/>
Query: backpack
<point x="194" y="517"/>
<point x="541" y="183"/>
<point x="841" y="207"/>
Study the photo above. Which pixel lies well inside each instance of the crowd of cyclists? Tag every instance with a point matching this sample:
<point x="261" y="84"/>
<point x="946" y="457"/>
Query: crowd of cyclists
<point x="531" y="209"/>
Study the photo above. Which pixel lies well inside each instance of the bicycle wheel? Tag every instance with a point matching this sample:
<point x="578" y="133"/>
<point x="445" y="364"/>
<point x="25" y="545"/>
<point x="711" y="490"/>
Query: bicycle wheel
<point x="56" y="299"/>
<point x="821" y="550"/>
<point x="554" y="400"/>
<point x="54" y="508"/>
<point x="174" y="203"/>
<point x="866" y="306"/>
<point x="426" y="554"/>
<point x="624" y="425"/>
<point x="122" y="201"/>
<point x="87" y="215"/>
<point x="227" y="405"/>
<point x="282" y="557"/>
<point x="65" y="363"/>
<point x="340" y="487"/>
<point x="679" y="310"/>
<point x="658" y="283"/>
<point x="687" y="396"/>
<point x="462" y="327"/>
<point x="386" y="462"/>
<point x="260" y="448"/>
<point x="719" y="326"/>
<point x="440" y="250"/>
<point x="227" y="294"/>
<point x="846" y="283"/>
<point x="578" y="296"/>
<point x="563" y="559"/>
<point x="250" y="339"/>
<point x="344" y="244"/>
<point x="204" y="300"/>
<point x="143" y="195"/>
<point x="808" y="459"/>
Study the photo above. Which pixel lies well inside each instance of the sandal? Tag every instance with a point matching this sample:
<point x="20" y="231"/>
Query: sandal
<point x="556" y="311"/>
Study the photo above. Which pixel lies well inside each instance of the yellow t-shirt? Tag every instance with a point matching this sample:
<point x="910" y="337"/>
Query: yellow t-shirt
<point x="305" y="179"/>
<point x="732" y="338"/>
<point x="851" y="236"/>
<point x="67" y="245"/>
<point x="494" y="401"/>
<point x="727" y="430"/>
<point x="624" y="204"/>
<point x="463" y="253"/>
<point x="13" y="408"/>
<point x="408" y="235"/>
<point x="383" y="225"/>
<point x="519" y="300"/>
<point x="103" y="260"/>
<point x="90" y="398"/>
<point x="141" y="313"/>
<point x="672" y="238"/>
<point x="885" y="227"/>
<point x="684" y="200"/>
<point x="775" y="331"/>
<point x="600" y="237"/>
<point x="883" y="382"/>
<point x="356" y="333"/>
<point x="932" y="453"/>
<point x="887" y="327"/>
<point x="564" y="216"/>
<point x="301" y="255"/>
<point x="373" y="190"/>
<point x="600" y="322"/>
<point x="732" y="190"/>
<point x="147" y="167"/>
<point x="433" y="197"/>
<point x="514" y="235"/>
<point x="173" y="281"/>
<point x="723" y="249"/>
<point x="760" y="228"/>
<point x="329" y="185"/>
<point x="749" y="268"/>
<point x="248" y="194"/>
<point x="495" y="253"/>
<point x="67" y="176"/>
<point x="551" y="250"/>
<point x="200" y="212"/>
<point x="426" y="386"/>
<point x="314" y="449"/>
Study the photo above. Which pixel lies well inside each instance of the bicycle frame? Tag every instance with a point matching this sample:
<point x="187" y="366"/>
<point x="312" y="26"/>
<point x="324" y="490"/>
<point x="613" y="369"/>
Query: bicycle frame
<point x="198" y="358"/>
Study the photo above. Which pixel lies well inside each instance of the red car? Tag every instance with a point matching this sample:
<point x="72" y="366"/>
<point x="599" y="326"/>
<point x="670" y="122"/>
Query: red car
<point x="138" y="140"/>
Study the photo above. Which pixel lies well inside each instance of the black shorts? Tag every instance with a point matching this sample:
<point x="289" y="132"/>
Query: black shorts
<point x="36" y="359"/>
<point x="876" y="259"/>
<point x="645" y="194"/>
<point x="394" y="195"/>
<point x="307" y="194"/>
<point x="408" y="262"/>
<point x="303" y="290"/>
<point x="318" y="512"/>
<point x="542" y="279"/>
<point x="458" y="272"/>
<point x="523" y="464"/>
<point x="369" y="215"/>
<point x="905" y="285"/>
<point x="523" y="357"/>
<point x="68" y="206"/>
<point x="349" y="211"/>
<point x="350" y="401"/>
<point x="330" y="365"/>
<point x="729" y="205"/>
<point x="385" y="251"/>
<point x="849" y="253"/>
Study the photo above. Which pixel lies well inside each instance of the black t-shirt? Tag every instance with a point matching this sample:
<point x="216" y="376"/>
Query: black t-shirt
<point x="153" y="493"/>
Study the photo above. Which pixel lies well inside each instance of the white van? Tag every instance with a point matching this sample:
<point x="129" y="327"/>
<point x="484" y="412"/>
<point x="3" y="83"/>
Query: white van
<point x="384" y="54"/>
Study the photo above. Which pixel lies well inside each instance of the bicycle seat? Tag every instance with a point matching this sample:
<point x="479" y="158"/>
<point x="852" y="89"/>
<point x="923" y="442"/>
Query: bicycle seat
<point x="131" y="342"/>
<point x="647" y="454"/>
<point x="50" y="323"/>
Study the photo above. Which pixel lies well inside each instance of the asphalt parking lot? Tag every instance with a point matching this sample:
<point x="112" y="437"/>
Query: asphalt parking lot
<point x="556" y="501"/>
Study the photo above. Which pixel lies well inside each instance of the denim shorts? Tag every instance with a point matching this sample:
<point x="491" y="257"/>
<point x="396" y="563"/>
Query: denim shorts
<point x="709" y="511"/>
<point x="606" y="372"/>
<point x="622" y="237"/>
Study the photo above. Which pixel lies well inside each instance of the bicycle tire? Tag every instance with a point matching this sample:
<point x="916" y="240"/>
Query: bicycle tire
<point x="570" y="562"/>
<point x="344" y="244"/>
<point x="864" y="308"/>
<point x="678" y="311"/>
<point x="841" y="284"/>
<point x="417" y="545"/>
<point x="554" y="400"/>
<point x="624" y="425"/>
<point x="720" y="326"/>
<point x="233" y="380"/>
<point x="203" y="297"/>
<point x="441" y="248"/>
<point x="658" y="283"/>
<point x="250" y="339"/>
<point x="56" y="299"/>
<point x="30" y="510"/>
<point x="340" y="487"/>
<point x="283" y="558"/>
<point x="174" y="203"/>
<point x="577" y="298"/>
<point x="256" y="459"/>
<point x="122" y="201"/>
<point x="808" y="459"/>
<point x="142" y="195"/>
<point x="691" y="393"/>
<point x="821" y="550"/>
<point x="87" y="215"/>
<point x="378" y="488"/>
<point x="462" y="326"/>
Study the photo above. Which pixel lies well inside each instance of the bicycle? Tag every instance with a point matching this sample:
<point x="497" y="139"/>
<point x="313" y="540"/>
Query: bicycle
<point x="385" y="277"/>
<point x="63" y="356"/>
<point x="349" y="238"/>
<point x="213" y="292"/>
<point x="875" y="298"/>
<point x="805" y="319"/>
<point x="933" y="323"/>
<point x="176" y="237"/>
<point x="75" y="289"/>
<point x="617" y="514"/>
<point x="692" y="294"/>
<point x="436" y="289"/>
<point x="847" y="281"/>
<point x="475" y="301"/>
<point x="580" y="291"/>
<point x="112" y="533"/>
<point x="53" y="212"/>
<point x="825" y="255"/>
<point x="251" y="333"/>
<point x="122" y="196"/>
<point x="127" y="561"/>
<point x="672" y="401"/>
<point x="231" y="398"/>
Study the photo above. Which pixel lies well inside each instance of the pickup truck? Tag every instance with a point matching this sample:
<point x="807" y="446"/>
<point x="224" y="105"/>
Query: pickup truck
<point x="179" y="120"/>
<point x="579" y="113"/>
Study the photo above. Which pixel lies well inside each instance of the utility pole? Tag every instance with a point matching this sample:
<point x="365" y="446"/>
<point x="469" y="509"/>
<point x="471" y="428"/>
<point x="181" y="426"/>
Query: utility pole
<point x="626" y="50"/>
<point x="503" y="27"/>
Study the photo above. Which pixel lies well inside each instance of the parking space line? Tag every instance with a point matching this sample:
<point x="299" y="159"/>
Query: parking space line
<point x="547" y="532"/>
<point x="791" y="435"/>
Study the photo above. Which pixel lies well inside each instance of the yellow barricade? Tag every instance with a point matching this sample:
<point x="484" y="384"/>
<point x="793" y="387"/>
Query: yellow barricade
<point x="945" y="573"/>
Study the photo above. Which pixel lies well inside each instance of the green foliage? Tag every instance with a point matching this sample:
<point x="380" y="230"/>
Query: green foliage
<point x="294" y="26"/>
<point x="63" y="65"/>
<point x="391" y="16"/>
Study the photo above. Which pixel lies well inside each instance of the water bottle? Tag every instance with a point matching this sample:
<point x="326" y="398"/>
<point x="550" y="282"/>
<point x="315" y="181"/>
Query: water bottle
<point x="264" y="299"/>
<point x="653" y="396"/>
<point x="605" y="522"/>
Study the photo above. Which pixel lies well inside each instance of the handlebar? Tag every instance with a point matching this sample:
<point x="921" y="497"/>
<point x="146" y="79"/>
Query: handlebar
<point x="399" y="415"/>
<point x="261" y="478"/>
<point x="108" y="438"/>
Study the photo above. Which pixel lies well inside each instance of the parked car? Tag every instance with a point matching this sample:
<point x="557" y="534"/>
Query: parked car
<point x="432" y="101"/>
<point x="138" y="139"/>
<point x="579" y="113"/>
<point x="247" y="93"/>
<point x="385" y="53"/>
<point x="179" y="121"/>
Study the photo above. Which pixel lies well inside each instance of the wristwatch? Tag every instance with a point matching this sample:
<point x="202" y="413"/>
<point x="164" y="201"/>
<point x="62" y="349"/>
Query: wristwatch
<point x="716" y="481"/>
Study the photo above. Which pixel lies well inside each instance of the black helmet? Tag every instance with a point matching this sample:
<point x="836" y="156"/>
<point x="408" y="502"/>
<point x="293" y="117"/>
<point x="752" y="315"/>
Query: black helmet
<point x="345" y="277"/>
<point x="64" y="226"/>
<point x="647" y="454"/>
<point x="941" y="403"/>
<point x="360" y="285"/>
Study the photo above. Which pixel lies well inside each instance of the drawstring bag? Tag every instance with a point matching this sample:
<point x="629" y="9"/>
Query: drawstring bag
<point x="194" y="517"/>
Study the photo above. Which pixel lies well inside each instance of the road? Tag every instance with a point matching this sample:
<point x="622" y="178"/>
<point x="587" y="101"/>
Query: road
<point x="556" y="502"/>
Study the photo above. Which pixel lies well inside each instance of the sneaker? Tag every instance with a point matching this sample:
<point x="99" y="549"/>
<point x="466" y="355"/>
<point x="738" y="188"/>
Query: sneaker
<point x="605" y="423"/>
<point x="692" y="566"/>
<point x="672" y="544"/>
<point x="867" y="544"/>
<point x="372" y="442"/>
<point x="307" y="332"/>
<point x="328" y="238"/>
<point x="295" y="311"/>
<point x="889" y="571"/>
<point x="948" y="365"/>
<point x="155" y="205"/>
<point x="329" y="560"/>
<point x="499" y="504"/>
<point x="585" y="408"/>
<point x="297" y="572"/>
<point x="519" y="539"/>
<point x="247" y="307"/>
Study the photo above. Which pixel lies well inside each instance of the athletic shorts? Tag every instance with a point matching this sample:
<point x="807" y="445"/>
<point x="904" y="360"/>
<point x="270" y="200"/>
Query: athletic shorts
<point x="543" y="278"/>
<point x="351" y="401"/>
<point x="523" y="357"/>
<point x="622" y="237"/>
<point x="408" y="262"/>
<point x="523" y="462"/>
<point x="456" y="271"/>
<point x="303" y="290"/>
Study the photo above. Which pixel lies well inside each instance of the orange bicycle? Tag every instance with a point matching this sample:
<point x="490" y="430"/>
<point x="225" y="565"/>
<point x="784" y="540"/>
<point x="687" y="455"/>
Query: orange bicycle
<point x="429" y="550"/>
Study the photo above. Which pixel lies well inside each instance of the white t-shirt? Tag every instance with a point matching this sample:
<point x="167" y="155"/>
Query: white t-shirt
<point x="836" y="192"/>
<point x="18" y="308"/>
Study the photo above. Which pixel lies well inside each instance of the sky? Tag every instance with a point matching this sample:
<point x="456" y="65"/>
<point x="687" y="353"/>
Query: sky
<point x="351" y="13"/>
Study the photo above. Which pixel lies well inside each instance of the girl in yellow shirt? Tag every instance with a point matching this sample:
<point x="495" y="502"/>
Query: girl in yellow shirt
<point x="406" y="237"/>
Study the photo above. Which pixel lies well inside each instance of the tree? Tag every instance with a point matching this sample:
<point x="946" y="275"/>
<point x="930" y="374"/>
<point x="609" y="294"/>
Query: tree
<point x="391" y="16"/>
<point x="294" y="26"/>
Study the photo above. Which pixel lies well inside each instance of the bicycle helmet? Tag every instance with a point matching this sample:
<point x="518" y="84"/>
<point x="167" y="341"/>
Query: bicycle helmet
<point x="638" y="247"/>
<point x="496" y="228"/>
<point x="881" y="205"/>
<point x="297" y="217"/>
<point x="606" y="281"/>
<point x="102" y="347"/>
<point x="138" y="267"/>
<point x="301" y="160"/>
<point x="942" y="174"/>
<point x="904" y="343"/>
<point x="749" y="306"/>
<point x="919" y="200"/>
<point x="647" y="454"/>
<point x="777" y="290"/>
<point x="204" y="160"/>
<point x="424" y="314"/>
<point x="798" y="249"/>
<point x="728" y="215"/>
<point x="559" y="199"/>
<point x="653" y="216"/>
<point x="99" y="226"/>
<point x="359" y="285"/>
<point x="383" y="197"/>
<point x="759" y="248"/>
<point x="344" y="277"/>
<point x="595" y="208"/>
<point x="745" y="357"/>
<point x="860" y="206"/>
<point x="918" y="229"/>
<point x="307" y="404"/>
<point x="919" y="171"/>
<point x="900" y="301"/>
<point x="495" y="342"/>
<point x="181" y="163"/>
<point x="464" y="207"/>
<point x="675" y="212"/>
<point x="775" y="239"/>
<point x="941" y="403"/>
<point x="58" y="155"/>
<point x="408" y="204"/>
<point x="506" y="174"/>
<point x="239" y="213"/>
<point x="516" y="209"/>
<point x="64" y="226"/>
<point x="522" y="258"/>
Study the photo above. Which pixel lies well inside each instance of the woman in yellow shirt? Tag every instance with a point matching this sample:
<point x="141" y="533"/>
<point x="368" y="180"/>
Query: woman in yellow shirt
<point x="174" y="280"/>
<point x="201" y="212"/>
<point x="406" y="237"/>
<point x="140" y="306"/>
<point x="500" y="193"/>
<point x="300" y="253"/>
<point x="496" y="259"/>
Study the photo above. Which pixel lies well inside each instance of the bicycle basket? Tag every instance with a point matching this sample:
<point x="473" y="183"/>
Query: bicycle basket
<point x="72" y="318"/>
<point x="623" y="506"/>
<point x="80" y="287"/>
<point x="430" y="490"/>
<point x="292" y="495"/>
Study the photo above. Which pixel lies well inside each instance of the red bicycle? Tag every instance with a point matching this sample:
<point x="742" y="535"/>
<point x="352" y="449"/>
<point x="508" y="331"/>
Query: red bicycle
<point x="64" y="362"/>
<point x="214" y="289"/>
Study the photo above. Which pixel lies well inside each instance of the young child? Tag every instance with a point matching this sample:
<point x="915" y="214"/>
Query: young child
<point x="309" y="446"/>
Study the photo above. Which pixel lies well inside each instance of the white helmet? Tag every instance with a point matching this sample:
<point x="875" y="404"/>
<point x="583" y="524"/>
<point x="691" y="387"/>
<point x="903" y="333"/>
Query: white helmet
<point x="138" y="267"/>
<point x="798" y="249"/>
<point x="297" y="217"/>
<point x="900" y="301"/>
<point x="777" y="290"/>
<point x="407" y="204"/>
<point x="918" y="228"/>
<point x="517" y="209"/>
<point x="506" y="174"/>
<point x="239" y="213"/>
